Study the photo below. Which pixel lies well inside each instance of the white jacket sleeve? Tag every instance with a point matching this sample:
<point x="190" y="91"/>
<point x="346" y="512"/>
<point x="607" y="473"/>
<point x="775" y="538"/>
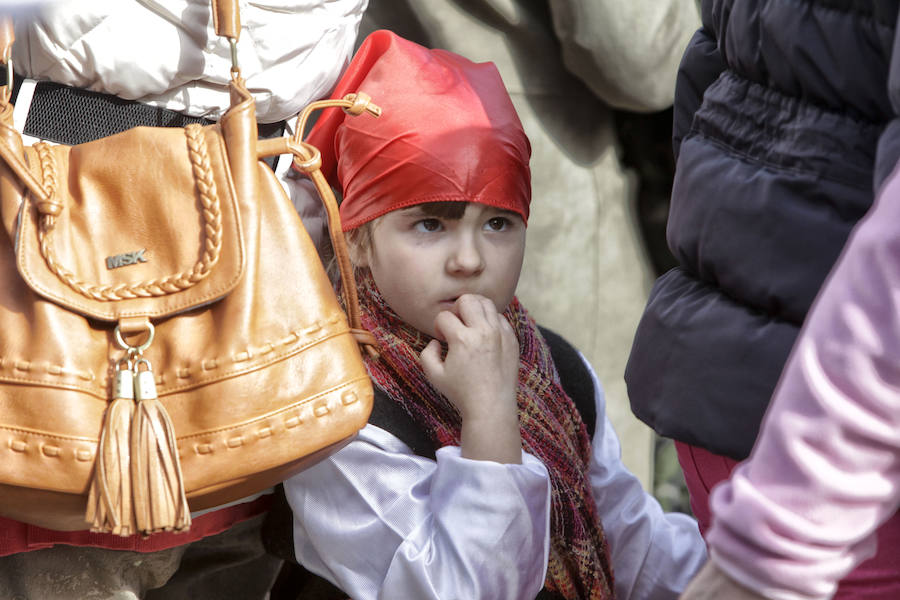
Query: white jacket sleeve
<point x="654" y="554"/>
<point x="381" y="522"/>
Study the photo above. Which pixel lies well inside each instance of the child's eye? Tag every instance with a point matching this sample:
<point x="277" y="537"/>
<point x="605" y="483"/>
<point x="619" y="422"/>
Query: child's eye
<point x="497" y="223"/>
<point x="427" y="225"/>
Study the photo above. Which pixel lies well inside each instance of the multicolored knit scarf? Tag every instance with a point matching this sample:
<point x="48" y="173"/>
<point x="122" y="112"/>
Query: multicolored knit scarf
<point x="551" y="430"/>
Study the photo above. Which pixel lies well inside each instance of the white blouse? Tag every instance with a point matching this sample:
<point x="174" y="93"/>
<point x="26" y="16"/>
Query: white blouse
<point x="381" y="522"/>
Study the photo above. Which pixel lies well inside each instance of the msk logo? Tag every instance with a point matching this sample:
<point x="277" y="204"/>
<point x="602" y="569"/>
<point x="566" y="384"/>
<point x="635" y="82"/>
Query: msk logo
<point x="123" y="260"/>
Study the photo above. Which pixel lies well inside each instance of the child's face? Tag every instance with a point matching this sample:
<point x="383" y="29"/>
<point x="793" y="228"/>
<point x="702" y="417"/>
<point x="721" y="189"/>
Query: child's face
<point x="422" y="264"/>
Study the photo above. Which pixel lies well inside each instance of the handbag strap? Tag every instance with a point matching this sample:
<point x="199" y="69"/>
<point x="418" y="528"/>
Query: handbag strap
<point x="7" y="153"/>
<point x="227" y="23"/>
<point x="308" y="160"/>
<point x="354" y="105"/>
<point x="227" y="19"/>
<point x="7" y="37"/>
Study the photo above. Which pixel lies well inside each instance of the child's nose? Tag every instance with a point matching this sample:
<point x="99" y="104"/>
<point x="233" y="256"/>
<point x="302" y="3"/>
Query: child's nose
<point x="466" y="258"/>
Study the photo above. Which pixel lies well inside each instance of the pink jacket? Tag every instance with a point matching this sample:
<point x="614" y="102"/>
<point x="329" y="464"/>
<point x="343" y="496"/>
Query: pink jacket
<point x="825" y="471"/>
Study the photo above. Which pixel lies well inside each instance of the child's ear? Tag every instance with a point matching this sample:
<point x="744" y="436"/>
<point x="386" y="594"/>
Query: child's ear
<point x="357" y="251"/>
<point x="359" y="255"/>
<point x="359" y="244"/>
<point x="362" y="258"/>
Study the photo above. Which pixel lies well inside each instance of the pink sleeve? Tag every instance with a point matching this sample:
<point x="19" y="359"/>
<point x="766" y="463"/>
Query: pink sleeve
<point x="825" y="471"/>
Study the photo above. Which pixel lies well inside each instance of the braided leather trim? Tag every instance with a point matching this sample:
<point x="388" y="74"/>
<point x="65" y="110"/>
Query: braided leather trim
<point x="212" y="219"/>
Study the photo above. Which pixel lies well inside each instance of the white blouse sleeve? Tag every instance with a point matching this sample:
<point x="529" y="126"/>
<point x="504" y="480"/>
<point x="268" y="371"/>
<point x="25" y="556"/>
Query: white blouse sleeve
<point x="380" y="522"/>
<point x="654" y="554"/>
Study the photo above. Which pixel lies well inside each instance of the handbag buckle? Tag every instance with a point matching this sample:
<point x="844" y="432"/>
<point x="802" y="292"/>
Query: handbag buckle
<point x="135" y="351"/>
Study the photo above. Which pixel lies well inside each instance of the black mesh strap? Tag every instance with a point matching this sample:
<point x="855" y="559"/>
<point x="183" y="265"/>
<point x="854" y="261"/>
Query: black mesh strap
<point x="68" y="115"/>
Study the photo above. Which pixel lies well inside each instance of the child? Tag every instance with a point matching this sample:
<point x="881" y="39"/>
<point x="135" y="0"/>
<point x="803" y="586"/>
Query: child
<point x="482" y="472"/>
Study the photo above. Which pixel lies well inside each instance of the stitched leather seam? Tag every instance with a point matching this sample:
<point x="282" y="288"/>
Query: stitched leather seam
<point x="48" y="368"/>
<point x="53" y="384"/>
<point x="51" y="436"/>
<point x="217" y="375"/>
<point x="254" y="365"/>
<point x="301" y="404"/>
<point x="292" y="407"/>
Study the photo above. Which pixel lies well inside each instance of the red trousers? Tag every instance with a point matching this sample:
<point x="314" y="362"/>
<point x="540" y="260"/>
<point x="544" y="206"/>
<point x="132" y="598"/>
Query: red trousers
<point x="876" y="579"/>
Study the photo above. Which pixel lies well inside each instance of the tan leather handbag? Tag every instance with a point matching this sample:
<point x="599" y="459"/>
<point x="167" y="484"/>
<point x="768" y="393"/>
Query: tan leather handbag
<point x="169" y="340"/>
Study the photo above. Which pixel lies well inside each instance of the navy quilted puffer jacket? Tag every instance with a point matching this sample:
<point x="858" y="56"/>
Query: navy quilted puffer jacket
<point x="778" y="111"/>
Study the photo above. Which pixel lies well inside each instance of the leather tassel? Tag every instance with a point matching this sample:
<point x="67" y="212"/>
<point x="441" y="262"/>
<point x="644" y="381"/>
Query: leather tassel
<point x="160" y="503"/>
<point x="109" y="507"/>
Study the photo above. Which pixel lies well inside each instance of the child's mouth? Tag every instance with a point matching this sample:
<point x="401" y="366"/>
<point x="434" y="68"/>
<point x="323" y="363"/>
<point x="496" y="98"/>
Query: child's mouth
<point x="448" y="303"/>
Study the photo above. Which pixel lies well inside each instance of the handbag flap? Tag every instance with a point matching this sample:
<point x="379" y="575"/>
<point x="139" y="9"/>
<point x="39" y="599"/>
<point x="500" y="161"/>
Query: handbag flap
<point x="142" y="223"/>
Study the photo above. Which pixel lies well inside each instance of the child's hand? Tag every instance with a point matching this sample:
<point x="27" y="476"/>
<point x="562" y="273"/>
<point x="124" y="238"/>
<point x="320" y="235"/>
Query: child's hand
<point x="479" y="376"/>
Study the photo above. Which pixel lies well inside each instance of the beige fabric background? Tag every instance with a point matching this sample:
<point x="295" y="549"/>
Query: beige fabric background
<point x="586" y="273"/>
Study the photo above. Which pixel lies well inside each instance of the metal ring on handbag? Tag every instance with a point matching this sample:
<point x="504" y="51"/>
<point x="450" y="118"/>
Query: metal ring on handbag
<point x="139" y="349"/>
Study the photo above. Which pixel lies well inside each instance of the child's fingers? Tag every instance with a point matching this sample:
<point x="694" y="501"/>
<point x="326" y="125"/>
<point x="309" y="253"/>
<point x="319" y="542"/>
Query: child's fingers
<point x="510" y="341"/>
<point x="447" y="325"/>
<point x="507" y="330"/>
<point x="430" y="359"/>
<point x="471" y="309"/>
<point x="490" y="312"/>
<point x="475" y="310"/>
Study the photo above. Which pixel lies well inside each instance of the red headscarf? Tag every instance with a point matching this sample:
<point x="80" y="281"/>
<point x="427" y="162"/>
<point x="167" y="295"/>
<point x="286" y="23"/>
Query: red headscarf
<point x="448" y="132"/>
